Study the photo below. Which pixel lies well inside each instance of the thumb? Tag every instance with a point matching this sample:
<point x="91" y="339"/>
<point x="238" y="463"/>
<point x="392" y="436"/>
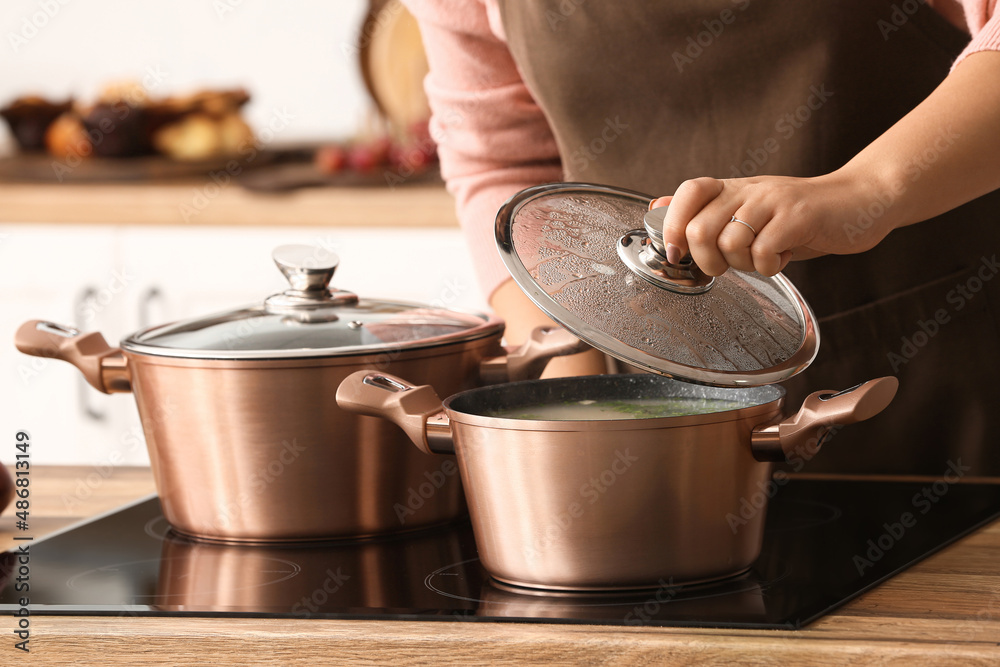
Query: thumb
<point x="784" y="259"/>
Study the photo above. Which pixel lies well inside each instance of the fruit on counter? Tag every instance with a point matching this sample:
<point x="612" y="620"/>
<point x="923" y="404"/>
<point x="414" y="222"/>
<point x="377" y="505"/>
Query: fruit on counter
<point x="417" y="157"/>
<point x="331" y="159"/>
<point x="29" y="118"/>
<point x="365" y="156"/>
<point x="409" y="154"/>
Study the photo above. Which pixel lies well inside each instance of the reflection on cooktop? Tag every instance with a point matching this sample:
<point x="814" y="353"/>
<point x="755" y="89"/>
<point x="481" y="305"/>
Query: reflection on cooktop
<point x="130" y="562"/>
<point x="744" y="599"/>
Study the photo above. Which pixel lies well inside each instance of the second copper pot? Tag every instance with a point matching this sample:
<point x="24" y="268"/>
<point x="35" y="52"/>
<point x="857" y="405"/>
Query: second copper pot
<point x="245" y="439"/>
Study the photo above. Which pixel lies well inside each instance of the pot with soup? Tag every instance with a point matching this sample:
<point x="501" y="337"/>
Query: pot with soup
<point x="612" y="481"/>
<point x="621" y="481"/>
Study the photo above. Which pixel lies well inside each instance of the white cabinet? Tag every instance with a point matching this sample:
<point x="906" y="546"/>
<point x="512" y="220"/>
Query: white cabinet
<point x="119" y="279"/>
<point x="75" y="276"/>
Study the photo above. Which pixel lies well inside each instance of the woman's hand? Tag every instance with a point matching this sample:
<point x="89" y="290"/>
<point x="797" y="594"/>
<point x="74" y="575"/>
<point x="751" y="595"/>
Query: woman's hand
<point x="782" y="219"/>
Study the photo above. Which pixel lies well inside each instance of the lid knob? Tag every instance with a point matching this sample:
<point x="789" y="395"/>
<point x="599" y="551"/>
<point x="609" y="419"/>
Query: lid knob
<point x="644" y="253"/>
<point x="307" y="268"/>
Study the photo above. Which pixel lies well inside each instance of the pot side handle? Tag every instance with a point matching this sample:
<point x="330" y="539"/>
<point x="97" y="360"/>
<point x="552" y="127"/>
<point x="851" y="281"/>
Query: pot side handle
<point x="802" y="434"/>
<point x="416" y="410"/>
<point x="103" y="366"/>
<point x="528" y="360"/>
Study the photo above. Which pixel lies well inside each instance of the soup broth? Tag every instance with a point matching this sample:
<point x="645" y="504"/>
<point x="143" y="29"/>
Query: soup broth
<point x="633" y="408"/>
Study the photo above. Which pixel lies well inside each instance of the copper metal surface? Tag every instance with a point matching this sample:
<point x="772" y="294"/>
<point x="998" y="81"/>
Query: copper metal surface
<point x="610" y="504"/>
<point x="265" y="454"/>
<point x="258" y="450"/>
<point x="617" y="509"/>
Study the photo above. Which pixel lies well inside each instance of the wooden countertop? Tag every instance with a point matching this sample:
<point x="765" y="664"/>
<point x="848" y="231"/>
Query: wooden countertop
<point x="943" y="611"/>
<point x="203" y="203"/>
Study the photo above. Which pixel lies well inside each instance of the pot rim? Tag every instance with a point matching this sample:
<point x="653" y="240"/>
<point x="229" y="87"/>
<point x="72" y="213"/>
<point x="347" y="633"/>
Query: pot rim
<point x="384" y="359"/>
<point x="768" y="410"/>
<point x="490" y="326"/>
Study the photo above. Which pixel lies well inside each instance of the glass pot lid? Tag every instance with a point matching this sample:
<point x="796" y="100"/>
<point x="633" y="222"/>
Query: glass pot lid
<point x="311" y="320"/>
<point x="592" y="259"/>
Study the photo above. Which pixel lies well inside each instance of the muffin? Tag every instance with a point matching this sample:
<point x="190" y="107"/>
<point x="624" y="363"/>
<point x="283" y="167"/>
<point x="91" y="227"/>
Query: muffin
<point x="29" y="119"/>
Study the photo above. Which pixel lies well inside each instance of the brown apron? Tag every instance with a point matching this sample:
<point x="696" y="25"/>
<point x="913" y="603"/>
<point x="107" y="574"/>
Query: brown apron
<point x="647" y="94"/>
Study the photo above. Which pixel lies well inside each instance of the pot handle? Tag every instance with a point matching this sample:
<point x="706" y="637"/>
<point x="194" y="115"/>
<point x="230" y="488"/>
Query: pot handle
<point x="416" y="410"/>
<point x="528" y="360"/>
<point x="103" y="366"/>
<point x="818" y="418"/>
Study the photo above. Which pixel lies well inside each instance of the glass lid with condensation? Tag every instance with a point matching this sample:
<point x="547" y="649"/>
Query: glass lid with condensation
<point x="311" y="320"/>
<point x="592" y="258"/>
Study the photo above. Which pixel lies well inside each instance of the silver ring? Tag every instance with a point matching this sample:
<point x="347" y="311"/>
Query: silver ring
<point x="744" y="223"/>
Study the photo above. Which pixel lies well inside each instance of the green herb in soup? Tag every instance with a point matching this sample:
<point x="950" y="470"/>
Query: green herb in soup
<point x="636" y="408"/>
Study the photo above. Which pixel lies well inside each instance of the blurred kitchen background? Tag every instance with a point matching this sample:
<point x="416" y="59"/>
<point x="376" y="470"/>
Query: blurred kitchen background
<point x="179" y="222"/>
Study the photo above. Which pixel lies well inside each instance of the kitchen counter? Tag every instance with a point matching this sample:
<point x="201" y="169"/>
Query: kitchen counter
<point x="201" y="202"/>
<point x="944" y="610"/>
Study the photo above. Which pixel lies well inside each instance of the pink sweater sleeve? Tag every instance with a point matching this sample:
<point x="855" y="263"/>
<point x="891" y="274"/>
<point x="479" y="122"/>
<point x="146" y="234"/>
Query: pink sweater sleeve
<point x="492" y="137"/>
<point x="983" y="23"/>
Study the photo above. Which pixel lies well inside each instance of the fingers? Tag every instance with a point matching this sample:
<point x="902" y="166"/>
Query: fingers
<point x="689" y="199"/>
<point x="772" y="249"/>
<point x="699" y="221"/>
<point x="705" y="232"/>
<point x="735" y="241"/>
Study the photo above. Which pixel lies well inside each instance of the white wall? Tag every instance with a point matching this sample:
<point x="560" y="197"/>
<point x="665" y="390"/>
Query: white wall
<point x="295" y="54"/>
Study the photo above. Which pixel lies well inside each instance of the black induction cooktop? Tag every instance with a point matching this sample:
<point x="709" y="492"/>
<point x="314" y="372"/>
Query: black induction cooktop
<point x="825" y="543"/>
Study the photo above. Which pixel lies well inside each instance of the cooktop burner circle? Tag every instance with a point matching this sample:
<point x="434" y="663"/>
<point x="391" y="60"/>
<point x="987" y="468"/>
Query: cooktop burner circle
<point x="269" y="571"/>
<point x="157" y="528"/>
<point x="450" y="580"/>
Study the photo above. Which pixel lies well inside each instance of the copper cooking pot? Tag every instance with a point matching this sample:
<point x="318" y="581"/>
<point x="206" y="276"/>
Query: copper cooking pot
<point x="245" y="440"/>
<point x="613" y="503"/>
<point x="625" y="503"/>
